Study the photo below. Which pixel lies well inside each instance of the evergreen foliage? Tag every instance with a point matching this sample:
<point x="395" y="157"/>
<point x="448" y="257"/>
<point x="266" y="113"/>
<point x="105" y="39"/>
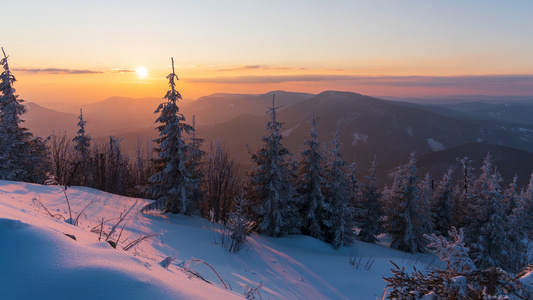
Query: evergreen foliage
<point x="486" y="232"/>
<point x="464" y="194"/>
<point x="82" y="141"/>
<point x="460" y="280"/>
<point x="271" y="181"/>
<point x="443" y="208"/>
<point x="407" y="217"/>
<point x="82" y="144"/>
<point x="22" y="157"/>
<point x="311" y="186"/>
<point x="369" y="209"/>
<point x="238" y="225"/>
<point x="526" y="208"/>
<point x="173" y="184"/>
<point x="353" y="184"/>
<point x="454" y="253"/>
<point x="515" y="228"/>
<point x="339" y="215"/>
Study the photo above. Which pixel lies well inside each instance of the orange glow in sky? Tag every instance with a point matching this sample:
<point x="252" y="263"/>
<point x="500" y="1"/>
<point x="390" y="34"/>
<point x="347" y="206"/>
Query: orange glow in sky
<point x="70" y="51"/>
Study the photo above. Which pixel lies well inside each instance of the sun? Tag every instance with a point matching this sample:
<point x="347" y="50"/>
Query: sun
<point x="142" y="72"/>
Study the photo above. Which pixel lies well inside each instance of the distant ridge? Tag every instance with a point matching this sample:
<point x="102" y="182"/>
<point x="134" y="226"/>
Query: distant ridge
<point x="370" y="127"/>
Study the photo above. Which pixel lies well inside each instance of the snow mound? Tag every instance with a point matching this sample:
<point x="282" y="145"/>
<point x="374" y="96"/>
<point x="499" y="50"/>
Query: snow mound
<point x="435" y="145"/>
<point x="39" y="261"/>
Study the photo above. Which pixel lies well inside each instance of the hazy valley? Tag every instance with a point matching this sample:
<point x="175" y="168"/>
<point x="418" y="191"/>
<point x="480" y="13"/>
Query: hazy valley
<point x="370" y="128"/>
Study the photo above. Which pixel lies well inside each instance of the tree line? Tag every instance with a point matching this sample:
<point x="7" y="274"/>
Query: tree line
<point x="316" y="193"/>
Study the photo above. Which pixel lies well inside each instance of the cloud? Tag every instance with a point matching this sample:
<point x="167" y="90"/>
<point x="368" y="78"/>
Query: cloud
<point x="254" y="67"/>
<point x="123" y="70"/>
<point x="271" y="78"/>
<point x="73" y="71"/>
<point x="58" y="71"/>
<point x="407" y="81"/>
<point x="244" y="67"/>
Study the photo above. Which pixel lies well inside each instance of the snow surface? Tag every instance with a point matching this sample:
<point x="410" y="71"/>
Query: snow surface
<point x="359" y="137"/>
<point x="435" y="145"/>
<point x="288" y="132"/>
<point x="38" y="261"/>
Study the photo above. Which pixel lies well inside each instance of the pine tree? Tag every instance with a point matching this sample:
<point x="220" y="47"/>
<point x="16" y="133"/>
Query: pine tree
<point x="339" y="218"/>
<point x="487" y="231"/>
<point x="510" y="197"/>
<point x="22" y="157"/>
<point x="173" y="183"/>
<point x="443" y="208"/>
<point x="311" y="186"/>
<point x="463" y="194"/>
<point x="427" y="198"/>
<point x="82" y="147"/>
<point x="271" y="181"/>
<point x="238" y="225"/>
<point x="454" y="253"/>
<point x="526" y="205"/>
<point x="407" y="219"/>
<point x="516" y="226"/>
<point x="369" y="209"/>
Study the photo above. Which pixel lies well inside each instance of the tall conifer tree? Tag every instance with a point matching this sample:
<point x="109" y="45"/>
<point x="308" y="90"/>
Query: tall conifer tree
<point x="407" y="219"/>
<point x="487" y="231"/>
<point x="173" y="184"/>
<point x="82" y="145"/>
<point x="311" y="186"/>
<point x="22" y="157"/>
<point x="369" y="210"/>
<point x="339" y="216"/>
<point x="272" y="184"/>
<point x="443" y="208"/>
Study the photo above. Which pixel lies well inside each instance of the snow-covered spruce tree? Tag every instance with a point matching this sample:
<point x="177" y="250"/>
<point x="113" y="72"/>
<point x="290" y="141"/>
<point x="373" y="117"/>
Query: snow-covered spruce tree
<point x="526" y="204"/>
<point x="486" y="233"/>
<point x="173" y="184"/>
<point x="460" y="280"/>
<point x="443" y="207"/>
<point x="339" y="218"/>
<point x="354" y="189"/>
<point x="463" y="194"/>
<point x="82" y="141"/>
<point x="271" y="180"/>
<point x="238" y="225"/>
<point x="311" y="186"/>
<point x="516" y="226"/>
<point x="454" y="253"/>
<point x="82" y="144"/>
<point x="510" y="197"/>
<point x="369" y="210"/>
<point x="427" y="198"/>
<point x="22" y="157"/>
<point x="407" y="218"/>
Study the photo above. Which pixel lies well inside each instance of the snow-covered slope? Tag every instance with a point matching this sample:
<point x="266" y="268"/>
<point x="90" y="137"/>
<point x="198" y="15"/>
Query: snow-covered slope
<point x="37" y="259"/>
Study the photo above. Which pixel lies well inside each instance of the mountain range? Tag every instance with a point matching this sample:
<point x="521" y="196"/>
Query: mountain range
<point x="370" y="128"/>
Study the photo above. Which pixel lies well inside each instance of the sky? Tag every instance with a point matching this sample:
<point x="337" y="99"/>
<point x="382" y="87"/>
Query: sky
<point x="86" y="51"/>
